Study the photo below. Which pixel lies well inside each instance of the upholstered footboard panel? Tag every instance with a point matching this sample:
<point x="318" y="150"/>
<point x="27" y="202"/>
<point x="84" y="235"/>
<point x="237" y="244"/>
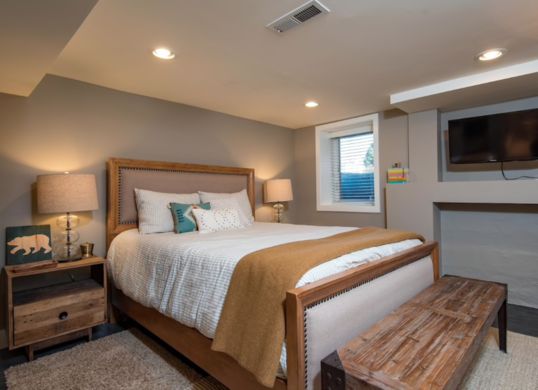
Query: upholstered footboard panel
<point x="332" y="322"/>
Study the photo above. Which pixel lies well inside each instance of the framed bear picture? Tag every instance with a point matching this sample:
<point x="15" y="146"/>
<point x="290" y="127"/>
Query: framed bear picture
<point x="27" y="244"/>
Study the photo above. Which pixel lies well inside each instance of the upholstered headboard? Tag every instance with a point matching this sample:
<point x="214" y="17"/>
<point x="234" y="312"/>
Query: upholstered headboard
<point x="124" y="175"/>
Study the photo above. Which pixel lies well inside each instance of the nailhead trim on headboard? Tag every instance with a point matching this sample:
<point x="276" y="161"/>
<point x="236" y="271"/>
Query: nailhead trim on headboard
<point x="326" y="299"/>
<point x="116" y="172"/>
<point x="121" y="169"/>
<point x="119" y="197"/>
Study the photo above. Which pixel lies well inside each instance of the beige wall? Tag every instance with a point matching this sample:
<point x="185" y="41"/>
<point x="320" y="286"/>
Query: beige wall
<point x="486" y="226"/>
<point x="67" y="125"/>
<point x="393" y="148"/>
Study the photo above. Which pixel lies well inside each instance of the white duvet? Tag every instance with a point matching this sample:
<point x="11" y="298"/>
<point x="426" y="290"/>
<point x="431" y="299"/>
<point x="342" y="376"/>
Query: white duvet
<point x="186" y="276"/>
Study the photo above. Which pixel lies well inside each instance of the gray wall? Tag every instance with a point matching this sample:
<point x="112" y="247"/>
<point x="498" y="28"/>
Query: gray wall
<point x="495" y="242"/>
<point x="486" y="226"/>
<point x="67" y="125"/>
<point x="393" y="148"/>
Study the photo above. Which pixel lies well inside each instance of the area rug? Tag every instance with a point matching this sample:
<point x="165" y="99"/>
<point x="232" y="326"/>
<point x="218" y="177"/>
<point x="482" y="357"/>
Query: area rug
<point x="131" y="360"/>
<point x="496" y="370"/>
<point x="127" y="360"/>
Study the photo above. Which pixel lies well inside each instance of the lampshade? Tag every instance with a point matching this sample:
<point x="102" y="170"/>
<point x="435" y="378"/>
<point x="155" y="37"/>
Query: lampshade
<point x="278" y="190"/>
<point x="66" y="193"/>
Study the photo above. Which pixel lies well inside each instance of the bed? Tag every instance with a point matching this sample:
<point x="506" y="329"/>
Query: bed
<point x="328" y="307"/>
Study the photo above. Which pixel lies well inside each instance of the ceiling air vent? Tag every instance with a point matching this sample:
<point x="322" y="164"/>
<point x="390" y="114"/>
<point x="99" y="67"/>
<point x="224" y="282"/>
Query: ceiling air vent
<point x="298" y="16"/>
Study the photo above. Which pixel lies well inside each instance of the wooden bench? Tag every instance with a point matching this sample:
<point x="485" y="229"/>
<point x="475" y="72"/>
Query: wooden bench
<point x="427" y="343"/>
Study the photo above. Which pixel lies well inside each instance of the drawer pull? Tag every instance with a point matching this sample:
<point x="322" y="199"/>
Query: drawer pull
<point x="63" y="315"/>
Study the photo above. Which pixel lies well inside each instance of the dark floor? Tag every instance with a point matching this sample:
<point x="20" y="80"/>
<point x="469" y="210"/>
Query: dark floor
<point x="521" y="319"/>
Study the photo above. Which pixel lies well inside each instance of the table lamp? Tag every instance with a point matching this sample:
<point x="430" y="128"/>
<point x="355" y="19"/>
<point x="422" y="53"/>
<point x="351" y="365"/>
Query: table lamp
<point x="67" y="193"/>
<point x="278" y="191"/>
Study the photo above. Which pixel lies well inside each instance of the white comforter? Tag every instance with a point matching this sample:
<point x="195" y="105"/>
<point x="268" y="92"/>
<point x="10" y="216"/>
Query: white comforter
<point x="186" y="276"/>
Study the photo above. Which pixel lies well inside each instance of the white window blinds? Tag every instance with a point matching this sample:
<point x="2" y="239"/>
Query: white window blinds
<point x="347" y="165"/>
<point x="353" y="163"/>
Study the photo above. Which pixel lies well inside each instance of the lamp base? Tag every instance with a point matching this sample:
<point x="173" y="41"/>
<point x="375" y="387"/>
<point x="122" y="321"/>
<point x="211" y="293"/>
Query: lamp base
<point x="66" y="250"/>
<point x="67" y="259"/>
<point x="279" y="211"/>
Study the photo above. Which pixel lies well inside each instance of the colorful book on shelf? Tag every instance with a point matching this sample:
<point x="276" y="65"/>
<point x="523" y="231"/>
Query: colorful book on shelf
<point x="397" y="175"/>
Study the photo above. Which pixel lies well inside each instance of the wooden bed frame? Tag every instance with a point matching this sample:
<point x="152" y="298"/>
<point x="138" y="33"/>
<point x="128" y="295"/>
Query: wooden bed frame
<point x="195" y="346"/>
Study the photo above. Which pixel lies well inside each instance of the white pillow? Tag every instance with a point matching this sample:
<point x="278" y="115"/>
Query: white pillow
<point x="217" y="220"/>
<point x="154" y="215"/>
<point x="230" y="203"/>
<point x="241" y="197"/>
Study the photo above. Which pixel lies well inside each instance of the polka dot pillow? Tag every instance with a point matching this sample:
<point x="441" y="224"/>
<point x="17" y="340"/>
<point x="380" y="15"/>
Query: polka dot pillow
<point x="231" y="203"/>
<point x="217" y="220"/>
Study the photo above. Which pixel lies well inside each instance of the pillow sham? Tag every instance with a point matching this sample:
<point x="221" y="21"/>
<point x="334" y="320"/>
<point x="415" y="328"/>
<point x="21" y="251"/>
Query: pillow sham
<point x="217" y="220"/>
<point x="241" y="197"/>
<point x="230" y="203"/>
<point x="154" y="209"/>
<point x="184" y="221"/>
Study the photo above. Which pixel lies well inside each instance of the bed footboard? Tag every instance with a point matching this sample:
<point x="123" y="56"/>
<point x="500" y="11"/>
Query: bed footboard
<point x="325" y="315"/>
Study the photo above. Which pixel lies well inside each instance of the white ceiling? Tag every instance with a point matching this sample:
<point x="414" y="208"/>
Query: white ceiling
<point x="493" y="86"/>
<point x="350" y="60"/>
<point x="32" y="35"/>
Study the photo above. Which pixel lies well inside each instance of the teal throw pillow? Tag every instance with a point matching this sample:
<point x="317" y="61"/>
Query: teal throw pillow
<point x="183" y="217"/>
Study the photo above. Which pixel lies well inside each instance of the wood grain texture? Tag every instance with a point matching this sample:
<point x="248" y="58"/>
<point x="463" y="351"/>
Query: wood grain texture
<point x="114" y="166"/>
<point x="40" y="265"/>
<point x="9" y="306"/>
<point x="252" y="323"/>
<point x="427" y="343"/>
<point x="191" y="344"/>
<point x="42" y="316"/>
<point x="197" y="347"/>
<point x="15" y="272"/>
<point x="298" y="299"/>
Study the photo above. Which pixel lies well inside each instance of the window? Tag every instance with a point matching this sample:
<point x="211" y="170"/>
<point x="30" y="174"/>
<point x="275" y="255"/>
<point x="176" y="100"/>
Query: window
<point x="347" y="158"/>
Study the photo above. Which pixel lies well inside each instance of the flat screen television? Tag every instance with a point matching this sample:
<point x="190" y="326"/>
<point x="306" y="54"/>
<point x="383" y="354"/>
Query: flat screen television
<point x="511" y="136"/>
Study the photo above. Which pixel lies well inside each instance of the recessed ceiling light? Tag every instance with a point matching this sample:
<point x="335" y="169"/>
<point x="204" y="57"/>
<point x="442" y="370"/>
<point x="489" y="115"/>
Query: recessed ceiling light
<point x="490" y="54"/>
<point x="163" y="53"/>
<point x="311" y="104"/>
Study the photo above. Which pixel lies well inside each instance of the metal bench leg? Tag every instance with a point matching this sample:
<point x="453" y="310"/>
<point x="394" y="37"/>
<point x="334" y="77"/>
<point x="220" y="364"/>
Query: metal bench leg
<point x="501" y="323"/>
<point x="333" y="376"/>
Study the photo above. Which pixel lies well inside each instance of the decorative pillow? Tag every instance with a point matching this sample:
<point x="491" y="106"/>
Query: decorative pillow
<point x="154" y="209"/>
<point x="217" y="220"/>
<point x="183" y="218"/>
<point x="230" y="203"/>
<point x="242" y="200"/>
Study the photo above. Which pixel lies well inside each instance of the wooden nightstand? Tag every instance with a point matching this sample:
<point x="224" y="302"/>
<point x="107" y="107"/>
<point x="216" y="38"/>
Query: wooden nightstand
<point x="44" y="316"/>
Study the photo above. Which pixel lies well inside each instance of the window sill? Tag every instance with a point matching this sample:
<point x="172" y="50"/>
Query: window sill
<point x="349" y="208"/>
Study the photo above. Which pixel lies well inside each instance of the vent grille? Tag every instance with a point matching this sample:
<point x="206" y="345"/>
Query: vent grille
<point x="306" y="14"/>
<point x="298" y="16"/>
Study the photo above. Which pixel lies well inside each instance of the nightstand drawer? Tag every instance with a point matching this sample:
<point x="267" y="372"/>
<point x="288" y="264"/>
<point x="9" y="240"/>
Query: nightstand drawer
<point x="39" y="315"/>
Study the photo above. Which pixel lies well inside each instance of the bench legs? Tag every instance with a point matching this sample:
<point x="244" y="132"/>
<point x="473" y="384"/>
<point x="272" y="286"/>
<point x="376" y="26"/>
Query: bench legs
<point x="501" y="323"/>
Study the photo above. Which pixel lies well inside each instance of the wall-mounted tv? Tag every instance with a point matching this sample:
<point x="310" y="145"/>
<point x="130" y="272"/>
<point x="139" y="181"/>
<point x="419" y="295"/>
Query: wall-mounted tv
<point x="511" y="136"/>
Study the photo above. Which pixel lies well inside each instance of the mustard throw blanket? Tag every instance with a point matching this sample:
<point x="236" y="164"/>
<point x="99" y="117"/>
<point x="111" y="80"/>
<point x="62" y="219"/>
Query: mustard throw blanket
<point x="251" y="328"/>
